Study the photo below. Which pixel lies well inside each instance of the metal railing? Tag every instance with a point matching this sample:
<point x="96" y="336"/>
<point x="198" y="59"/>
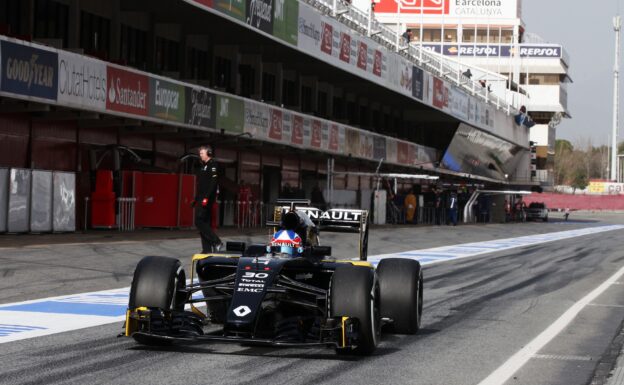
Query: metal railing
<point x="365" y="23"/>
<point x="126" y="208"/>
<point x="397" y="215"/>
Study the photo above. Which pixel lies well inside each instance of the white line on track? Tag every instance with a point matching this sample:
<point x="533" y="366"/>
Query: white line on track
<point x="515" y="362"/>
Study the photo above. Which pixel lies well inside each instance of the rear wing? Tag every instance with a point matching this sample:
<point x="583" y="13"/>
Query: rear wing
<point x="333" y="220"/>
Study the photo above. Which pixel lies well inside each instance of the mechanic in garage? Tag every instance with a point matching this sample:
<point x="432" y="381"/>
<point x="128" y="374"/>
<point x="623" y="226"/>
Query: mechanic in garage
<point x="206" y="196"/>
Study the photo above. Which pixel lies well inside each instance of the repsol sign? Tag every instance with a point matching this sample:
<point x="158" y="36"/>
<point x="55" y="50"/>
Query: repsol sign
<point x="29" y="71"/>
<point x="540" y="51"/>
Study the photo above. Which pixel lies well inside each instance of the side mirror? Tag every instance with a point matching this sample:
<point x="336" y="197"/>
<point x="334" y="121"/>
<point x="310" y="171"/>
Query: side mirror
<point x="235" y="246"/>
<point x="321" y="251"/>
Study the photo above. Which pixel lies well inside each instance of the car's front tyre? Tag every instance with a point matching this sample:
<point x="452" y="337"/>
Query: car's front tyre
<point x="354" y="293"/>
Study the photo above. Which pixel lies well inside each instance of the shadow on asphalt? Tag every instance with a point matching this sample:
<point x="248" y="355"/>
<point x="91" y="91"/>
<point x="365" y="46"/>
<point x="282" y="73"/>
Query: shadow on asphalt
<point x="264" y="351"/>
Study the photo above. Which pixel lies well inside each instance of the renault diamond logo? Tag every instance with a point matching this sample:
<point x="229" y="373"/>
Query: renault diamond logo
<point x="242" y="311"/>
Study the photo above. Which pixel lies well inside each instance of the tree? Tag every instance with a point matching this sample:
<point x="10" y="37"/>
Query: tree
<point x="563" y="145"/>
<point x="580" y="180"/>
<point x="564" y="161"/>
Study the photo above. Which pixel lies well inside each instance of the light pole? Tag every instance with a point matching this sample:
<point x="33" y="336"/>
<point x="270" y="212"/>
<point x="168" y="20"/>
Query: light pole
<point x="617" y="24"/>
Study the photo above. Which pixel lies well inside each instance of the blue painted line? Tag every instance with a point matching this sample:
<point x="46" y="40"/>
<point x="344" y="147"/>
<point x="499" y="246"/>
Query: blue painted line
<point x="431" y="255"/>
<point x="70" y="308"/>
<point x="482" y="246"/>
<point x="427" y="259"/>
<point x="7" y="330"/>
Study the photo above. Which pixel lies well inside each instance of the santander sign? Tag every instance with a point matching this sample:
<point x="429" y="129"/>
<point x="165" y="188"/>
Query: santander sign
<point x="127" y="91"/>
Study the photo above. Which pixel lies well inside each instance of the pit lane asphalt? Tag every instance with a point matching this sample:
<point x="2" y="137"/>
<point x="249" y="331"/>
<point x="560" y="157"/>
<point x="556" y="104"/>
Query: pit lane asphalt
<point x="478" y="312"/>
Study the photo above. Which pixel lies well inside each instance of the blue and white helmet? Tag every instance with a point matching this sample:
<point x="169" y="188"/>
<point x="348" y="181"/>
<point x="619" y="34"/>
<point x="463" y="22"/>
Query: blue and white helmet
<point x="289" y="242"/>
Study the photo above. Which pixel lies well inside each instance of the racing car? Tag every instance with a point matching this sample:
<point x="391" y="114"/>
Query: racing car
<point x="290" y="292"/>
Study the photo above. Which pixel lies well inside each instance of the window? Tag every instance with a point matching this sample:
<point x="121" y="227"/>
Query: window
<point x="268" y="87"/>
<point x="199" y="67"/>
<point x="338" y="108"/>
<point x="133" y="42"/>
<point x="223" y="73"/>
<point x="482" y="35"/>
<point x="321" y="103"/>
<point x="167" y="54"/>
<point x="289" y="92"/>
<point x="507" y="36"/>
<point x="540" y="79"/>
<point x="416" y="34"/>
<point x="247" y="80"/>
<point x="306" y="99"/>
<point x="94" y="35"/>
<point x="432" y="35"/>
<point x="363" y="115"/>
<point x="468" y="35"/>
<point x="376" y="121"/>
<point x="450" y="35"/>
<point x="352" y="113"/>
<point x="51" y="20"/>
<point x="10" y="17"/>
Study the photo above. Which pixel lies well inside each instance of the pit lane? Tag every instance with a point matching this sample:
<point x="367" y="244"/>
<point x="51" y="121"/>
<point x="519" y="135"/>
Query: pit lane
<point x="479" y="311"/>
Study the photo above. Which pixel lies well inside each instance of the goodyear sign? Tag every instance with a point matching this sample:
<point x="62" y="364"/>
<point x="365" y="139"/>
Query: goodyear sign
<point x="29" y="71"/>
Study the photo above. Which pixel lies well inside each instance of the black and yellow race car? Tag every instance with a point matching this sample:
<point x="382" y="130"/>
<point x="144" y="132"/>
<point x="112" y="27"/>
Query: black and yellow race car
<point x="258" y="294"/>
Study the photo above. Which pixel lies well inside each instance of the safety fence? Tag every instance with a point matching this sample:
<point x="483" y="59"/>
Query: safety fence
<point x="447" y="68"/>
<point x="422" y="215"/>
<point x="255" y="214"/>
<point x="126" y="208"/>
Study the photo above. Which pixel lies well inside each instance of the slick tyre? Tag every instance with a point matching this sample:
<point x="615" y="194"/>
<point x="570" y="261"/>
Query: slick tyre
<point x="401" y="287"/>
<point x="156" y="283"/>
<point x="354" y="293"/>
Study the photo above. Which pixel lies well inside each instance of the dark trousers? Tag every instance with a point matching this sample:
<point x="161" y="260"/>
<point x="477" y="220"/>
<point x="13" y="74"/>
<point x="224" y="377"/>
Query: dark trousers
<point x="203" y="219"/>
<point x="453" y="216"/>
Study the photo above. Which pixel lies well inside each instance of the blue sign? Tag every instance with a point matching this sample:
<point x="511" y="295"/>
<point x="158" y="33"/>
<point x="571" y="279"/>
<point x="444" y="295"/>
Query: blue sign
<point x="28" y="71"/>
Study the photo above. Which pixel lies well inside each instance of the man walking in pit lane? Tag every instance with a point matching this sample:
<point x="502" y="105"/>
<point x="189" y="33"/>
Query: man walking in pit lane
<point x="206" y="196"/>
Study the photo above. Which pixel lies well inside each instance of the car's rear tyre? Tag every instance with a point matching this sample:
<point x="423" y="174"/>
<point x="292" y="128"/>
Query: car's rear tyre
<point x="401" y="288"/>
<point x="157" y="283"/>
<point x="546" y="218"/>
<point x="354" y="293"/>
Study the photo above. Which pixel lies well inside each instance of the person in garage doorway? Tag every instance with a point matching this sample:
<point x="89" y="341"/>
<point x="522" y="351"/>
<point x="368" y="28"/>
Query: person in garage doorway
<point x="452" y="207"/>
<point x="206" y="196"/>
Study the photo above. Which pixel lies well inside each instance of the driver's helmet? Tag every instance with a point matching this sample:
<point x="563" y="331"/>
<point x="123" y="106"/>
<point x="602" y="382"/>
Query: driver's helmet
<point x="288" y="242"/>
